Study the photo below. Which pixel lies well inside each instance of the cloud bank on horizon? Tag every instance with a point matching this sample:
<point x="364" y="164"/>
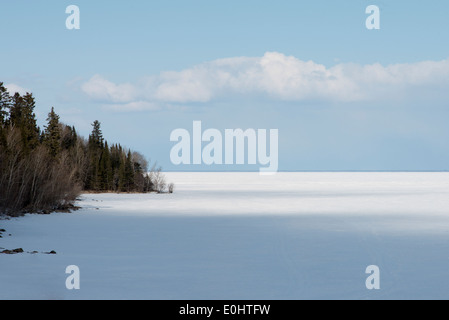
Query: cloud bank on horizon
<point x="274" y="76"/>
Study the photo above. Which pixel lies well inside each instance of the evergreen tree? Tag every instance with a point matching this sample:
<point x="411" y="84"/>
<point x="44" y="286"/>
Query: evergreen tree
<point x="22" y="117"/>
<point x="126" y="173"/>
<point x="108" y="168"/>
<point x="52" y="134"/>
<point x="96" y="137"/>
<point x="16" y="110"/>
<point x="69" y="138"/>
<point x="129" y="173"/>
<point x="105" y="169"/>
<point x="5" y="104"/>
<point x="121" y="177"/>
<point x="116" y="165"/>
<point x="29" y="129"/>
<point x="95" y="150"/>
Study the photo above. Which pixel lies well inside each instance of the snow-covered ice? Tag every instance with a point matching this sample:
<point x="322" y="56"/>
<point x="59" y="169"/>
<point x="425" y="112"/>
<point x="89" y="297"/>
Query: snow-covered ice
<point x="242" y="236"/>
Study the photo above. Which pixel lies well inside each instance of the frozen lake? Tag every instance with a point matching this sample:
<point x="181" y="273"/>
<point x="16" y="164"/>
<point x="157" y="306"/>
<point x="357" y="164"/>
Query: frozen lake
<point x="242" y="236"/>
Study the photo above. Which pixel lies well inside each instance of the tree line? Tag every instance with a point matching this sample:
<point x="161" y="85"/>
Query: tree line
<point x="43" y="170"/>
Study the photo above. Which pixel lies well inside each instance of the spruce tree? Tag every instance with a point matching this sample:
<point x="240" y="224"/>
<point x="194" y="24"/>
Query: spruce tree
<point x="96" y="137"/>
<point x="29" y="129"/>
<point x="116" y="164"/>
<point x="95" y="149"/>
<point x="109" y="175"/>
<point x="5" y="104"/>
<point x="105" y="169"/>
<point x="16" y="110"/>
<point x="121" y="176"/>
<point x="69" y="138"/>
<point x="52" y="134"/>
<point x="129" y="172"/>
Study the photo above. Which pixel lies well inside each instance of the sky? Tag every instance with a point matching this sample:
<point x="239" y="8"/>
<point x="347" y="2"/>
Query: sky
<point x="342" y="97"/>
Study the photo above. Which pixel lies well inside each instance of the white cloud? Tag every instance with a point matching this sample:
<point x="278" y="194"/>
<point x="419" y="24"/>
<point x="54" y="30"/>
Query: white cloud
<point x="133" y="106"/>
<point x="274" y="75"/>
<point x="101" y="89"/>
<point x="13" y="88"/>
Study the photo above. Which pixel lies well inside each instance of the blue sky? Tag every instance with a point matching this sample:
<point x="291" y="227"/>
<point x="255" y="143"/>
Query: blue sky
<point x="145" y="68"/>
